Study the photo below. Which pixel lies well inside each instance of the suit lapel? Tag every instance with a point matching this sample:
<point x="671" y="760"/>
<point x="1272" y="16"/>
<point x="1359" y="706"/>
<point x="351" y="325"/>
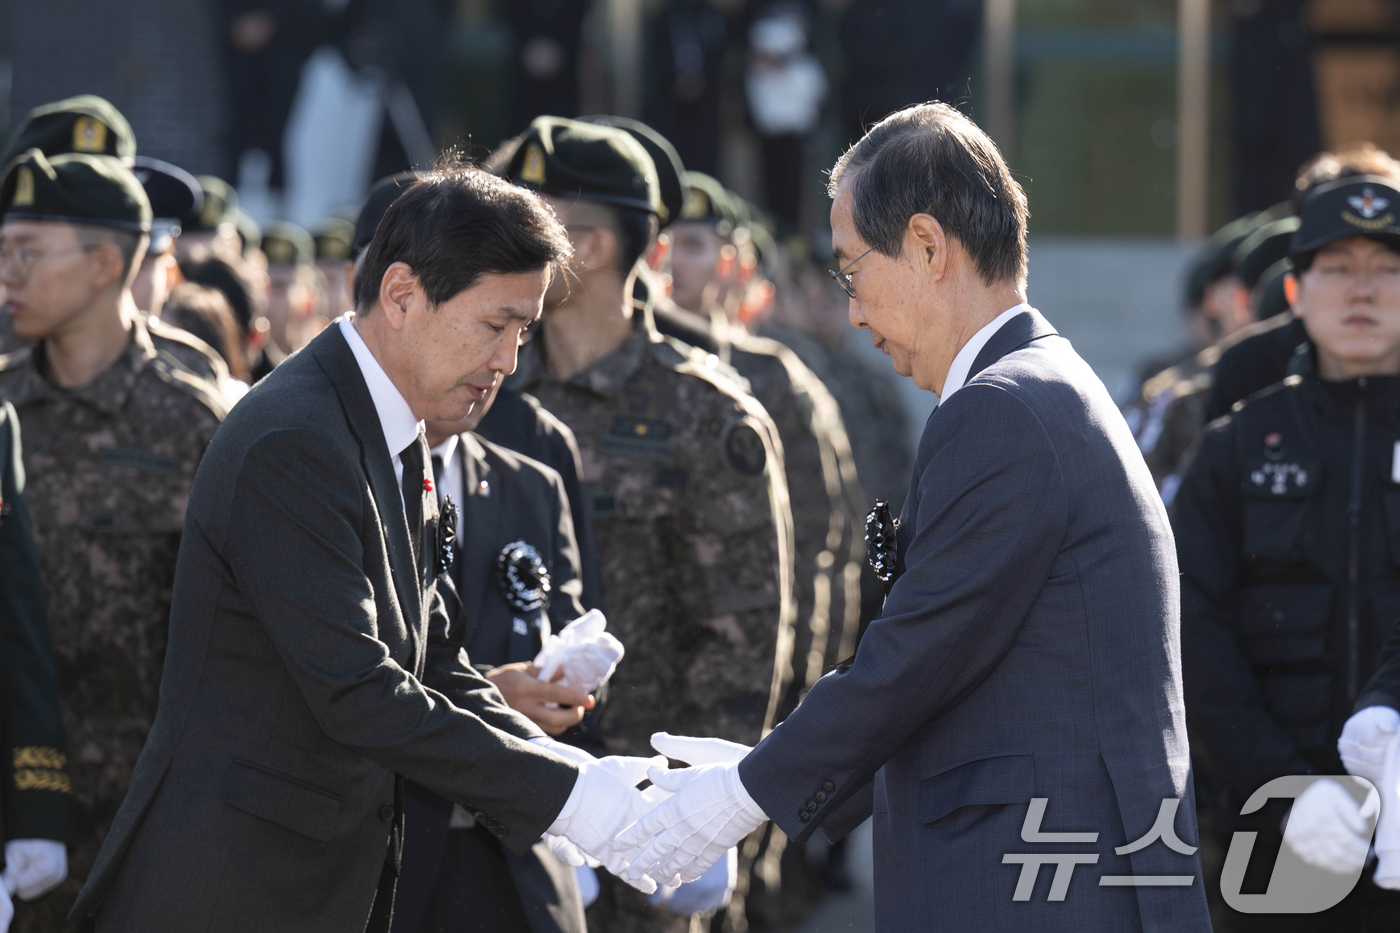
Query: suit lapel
<point x="481" y="514"/>
<point x="335" y="357"/>
<point x="1014" y="334"/>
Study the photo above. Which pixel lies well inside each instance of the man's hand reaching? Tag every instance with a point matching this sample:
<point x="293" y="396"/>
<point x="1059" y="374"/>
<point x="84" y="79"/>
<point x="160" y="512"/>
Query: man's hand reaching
<point x="708" y="813"/>
<point x="553" y="707"/>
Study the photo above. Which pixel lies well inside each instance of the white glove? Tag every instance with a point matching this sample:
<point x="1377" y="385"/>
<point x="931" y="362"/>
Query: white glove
<point x="1328" y="830"/>
<point x="1364" y="740"/>
<point x="7" y="909"/>
<point x="710" y="812"/>
<point x="1388" y="829"/>
<point x="710" y="891"/>
<point x="34" y="866"/>
<point x="604" y="800"/>
<point x="587" y="654"/>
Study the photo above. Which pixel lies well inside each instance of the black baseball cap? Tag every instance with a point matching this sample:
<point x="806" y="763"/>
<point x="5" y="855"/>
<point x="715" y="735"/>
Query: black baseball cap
<point x="1367" y="206"/>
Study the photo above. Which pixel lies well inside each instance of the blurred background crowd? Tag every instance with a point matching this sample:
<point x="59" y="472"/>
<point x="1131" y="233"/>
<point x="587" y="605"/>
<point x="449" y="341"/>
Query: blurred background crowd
<point x="1165" y="147"/>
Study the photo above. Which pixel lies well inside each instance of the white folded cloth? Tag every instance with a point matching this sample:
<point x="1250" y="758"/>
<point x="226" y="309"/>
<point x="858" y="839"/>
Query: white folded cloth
<point x="1388" y="829"/>
<point x="583" y="650"/>
<point x="1365" y="737"/>
<point x="34" y="867"/>
<point x="1328" y="829"/>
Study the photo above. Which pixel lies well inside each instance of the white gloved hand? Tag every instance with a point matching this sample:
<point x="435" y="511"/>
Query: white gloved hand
<point x="710" y="812"/>
<point x="34" y="867"/>
<point x="710" y="891"/>
<point x="1388" y="829"/>
<point x="583" y="650"/>
<point x="7" y="909"/>
<point x="1328" y="830"/>
<point x="604" y="800"/>
<point x="1364" y="740"/>
<point x="694" y="750"/>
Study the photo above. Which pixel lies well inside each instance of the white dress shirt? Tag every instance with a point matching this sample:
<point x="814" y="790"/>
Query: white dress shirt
<point x="962" y="363"/>
<point x="395" y="417"/>
<point x="450" y="483"/>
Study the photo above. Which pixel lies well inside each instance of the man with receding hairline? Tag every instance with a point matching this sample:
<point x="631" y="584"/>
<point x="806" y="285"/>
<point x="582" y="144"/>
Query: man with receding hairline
<point x="1015" y="712"/>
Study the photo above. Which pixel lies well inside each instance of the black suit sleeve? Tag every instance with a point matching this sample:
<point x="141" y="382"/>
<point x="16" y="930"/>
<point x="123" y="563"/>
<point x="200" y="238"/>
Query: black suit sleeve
<point x="296" y="548"/>
<point x="35" y="793"/>
<point x="1224" y="707"/>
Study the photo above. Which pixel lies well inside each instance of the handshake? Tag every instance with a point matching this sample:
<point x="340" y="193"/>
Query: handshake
<point x="666" y="835"/>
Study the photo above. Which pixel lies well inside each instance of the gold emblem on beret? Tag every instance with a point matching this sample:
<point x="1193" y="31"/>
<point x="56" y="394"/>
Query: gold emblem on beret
<point x="532" y="169"/>
<point x="89" y="135"/>
<point x="24" y="187"/>
<point x="697" y="205"/>
<point x="280" y="251"/>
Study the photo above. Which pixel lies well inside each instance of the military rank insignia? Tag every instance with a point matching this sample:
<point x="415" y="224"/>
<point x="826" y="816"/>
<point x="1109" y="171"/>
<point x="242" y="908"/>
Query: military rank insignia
<point x="743" y="448"/>
<point x="446" y="535"/>
<point x="24" y="187"/>
<point x="881" y="545"/>
<point x="89" y="135"/>
<point x="532" y="169"/>
<point x="523" y="577"/>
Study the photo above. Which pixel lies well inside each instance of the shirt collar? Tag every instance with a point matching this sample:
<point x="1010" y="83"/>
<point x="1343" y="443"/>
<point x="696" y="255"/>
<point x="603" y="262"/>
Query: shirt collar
<point x="446" y="451"/>
<point x="962" y="363"/>
<point x="395" y="417"/>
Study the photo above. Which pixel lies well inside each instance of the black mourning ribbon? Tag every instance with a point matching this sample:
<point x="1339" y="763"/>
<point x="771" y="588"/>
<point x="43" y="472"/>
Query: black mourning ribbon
<point x="881" y="544"/>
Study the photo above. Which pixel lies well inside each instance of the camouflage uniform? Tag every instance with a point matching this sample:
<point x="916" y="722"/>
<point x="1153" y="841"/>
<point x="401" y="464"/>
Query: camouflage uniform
<point x="694" y="540"/>
<point x="110" y="467"/>
<point x="187" y="349"/>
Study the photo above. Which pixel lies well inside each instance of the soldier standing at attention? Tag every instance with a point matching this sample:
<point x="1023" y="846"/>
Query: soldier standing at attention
<point x="114" y="430"/>
<point x="684" y="470"/>
<point x="35" y="791"/>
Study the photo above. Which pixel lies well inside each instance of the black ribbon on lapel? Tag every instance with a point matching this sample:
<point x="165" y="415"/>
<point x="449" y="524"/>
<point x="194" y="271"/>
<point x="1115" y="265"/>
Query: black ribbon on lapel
<point x="881" y="544"/>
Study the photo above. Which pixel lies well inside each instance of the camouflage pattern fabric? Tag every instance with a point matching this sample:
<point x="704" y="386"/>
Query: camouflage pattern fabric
<point x="110" y="466"/>
<point x="695" y="542"/>
<point x="188" y="350"/>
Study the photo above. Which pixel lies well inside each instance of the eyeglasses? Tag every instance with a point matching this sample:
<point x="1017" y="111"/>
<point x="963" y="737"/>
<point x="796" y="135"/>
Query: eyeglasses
<point x="18" y="264"/>
<point x="843" y="278"/>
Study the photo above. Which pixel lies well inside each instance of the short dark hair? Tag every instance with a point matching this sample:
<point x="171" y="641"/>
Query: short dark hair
<point x="232" y="277"/>
<point x="634" y="230"/>
<point x="456" y="224"/>
<point x="1365" y="159"/>
<point x="205" y="312"/>
<point x="931" y="159"/>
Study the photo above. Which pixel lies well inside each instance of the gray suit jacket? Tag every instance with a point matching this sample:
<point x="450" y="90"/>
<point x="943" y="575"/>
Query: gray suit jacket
<point x="309" y="662"/>
<point x="1028" y="648"/>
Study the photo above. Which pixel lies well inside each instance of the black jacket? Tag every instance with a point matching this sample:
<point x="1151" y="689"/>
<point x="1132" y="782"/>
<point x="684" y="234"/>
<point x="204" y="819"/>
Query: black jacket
<point x="1288" y="537"/>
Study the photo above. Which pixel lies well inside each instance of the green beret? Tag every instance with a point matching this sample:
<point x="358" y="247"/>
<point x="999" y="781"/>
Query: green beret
<point x="74" y="188"/>
<point x="286" y="244"/>
<point x="219" y="201"/>
<point x="595" y="163"/>
<point x="248" y="230"/>
<point x="85" y="123"/>
<point x="333" y="237"/>
<point x="669" y="168"/>
<point x="707" y="201"/>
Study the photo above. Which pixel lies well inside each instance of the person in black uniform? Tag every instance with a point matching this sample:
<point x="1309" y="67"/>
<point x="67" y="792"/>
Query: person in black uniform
<point x="35" y="792"/>
<point x="513" y="517"/>
<point x="1286" y="534"/>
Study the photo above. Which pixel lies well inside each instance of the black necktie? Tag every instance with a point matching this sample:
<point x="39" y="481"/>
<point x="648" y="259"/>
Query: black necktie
<point x="437" y="475"/>
<point x="413" y="477"/>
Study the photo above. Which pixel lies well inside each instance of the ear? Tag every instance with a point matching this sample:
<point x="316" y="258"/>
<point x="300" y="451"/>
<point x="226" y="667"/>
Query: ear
<point x="399" y="292"/>
<point x="107" y="265"/>
<point x="926" y="243"/>
<point x="1290" y="289"/>
<point x="596" y="249"/>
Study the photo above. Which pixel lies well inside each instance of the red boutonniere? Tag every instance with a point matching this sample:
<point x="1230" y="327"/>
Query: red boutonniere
<point x="427" y="485"/>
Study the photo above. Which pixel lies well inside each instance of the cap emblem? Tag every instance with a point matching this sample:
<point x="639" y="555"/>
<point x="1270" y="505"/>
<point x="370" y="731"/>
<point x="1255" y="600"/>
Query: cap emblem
<point x="697" y="205"/>
<point x="89" y="135"/>
<point x="532" y="170"/>
<point x="1367" y="205"/>
<point x="24" y="187"/>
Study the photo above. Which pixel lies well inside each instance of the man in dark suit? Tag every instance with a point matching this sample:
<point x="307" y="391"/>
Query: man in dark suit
<point x="311" y="666"/>
<point x="456" y="874"/>
<point x="1018" y="704"/>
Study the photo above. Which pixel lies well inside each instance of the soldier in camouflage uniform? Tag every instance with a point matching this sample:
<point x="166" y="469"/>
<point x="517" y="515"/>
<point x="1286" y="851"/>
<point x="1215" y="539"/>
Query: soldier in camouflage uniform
<point x="114" y="430"/>
<point x="685" y="473"/>
<point x="35" y="792"/>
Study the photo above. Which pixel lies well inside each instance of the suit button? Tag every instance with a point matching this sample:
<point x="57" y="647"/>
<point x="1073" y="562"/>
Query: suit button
<point x="812" y="806"/>
<point x="803" y="815"/>
<point x="819" y="797"/>
<point x="828" y="786"/>
<point x="480" y="817"/>
<point x="386" y="813"/>
<point x="500" y="831"/>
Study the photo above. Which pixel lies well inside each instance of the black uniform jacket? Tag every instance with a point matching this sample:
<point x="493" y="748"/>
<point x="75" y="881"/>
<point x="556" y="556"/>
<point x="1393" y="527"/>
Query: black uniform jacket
<point x="310" y="664"/>
<point x="507" y="498"/>
<point x="34" y="788"/>
<point x="1288" y="538"/>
